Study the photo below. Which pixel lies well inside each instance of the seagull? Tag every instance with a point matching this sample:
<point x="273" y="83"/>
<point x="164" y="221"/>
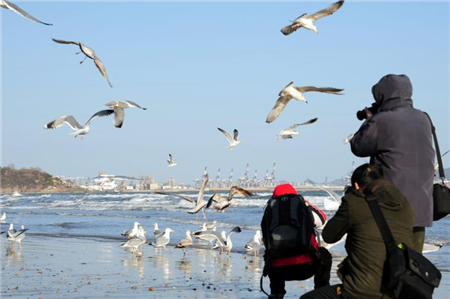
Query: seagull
<point x="138" y="240"/>
<point x="436" y="165"/>
<point x="221" y="203"/>
<point x="349" y="138"/>
<point x="427" y="248"/>
<point x="163" y="239"/>
<point x="11" y="6"/>
<point x="170" y="161"/>
<point x="187" y="242"/>
<point x="119" y="110"/>
<point x="200" y="203"/>
<point x="72" y="122"/>
<point x="232" y="140"/>
<point x="307" y="21"/>
<point x="156" y="231"/>
<point x="225" y="244"/>
<point x="331" y="204"/>
<point x="289" y="92"/>
<point x="255" y="243"/>
<point x="89" y="52"/>
<point x="3" y="218"/>
<point x="131" y="233"/>
<point x="287" y="133"/>
<point x="16" y="236"/>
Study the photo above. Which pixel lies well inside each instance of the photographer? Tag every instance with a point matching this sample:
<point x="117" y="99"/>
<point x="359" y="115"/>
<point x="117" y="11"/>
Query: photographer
<point x="398" y="138"/>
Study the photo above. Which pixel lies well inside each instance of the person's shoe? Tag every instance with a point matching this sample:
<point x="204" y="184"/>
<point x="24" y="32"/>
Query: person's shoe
<point x="276" y="296"/>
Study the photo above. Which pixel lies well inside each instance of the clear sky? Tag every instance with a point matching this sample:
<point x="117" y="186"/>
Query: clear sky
<point x="197" y="66"/>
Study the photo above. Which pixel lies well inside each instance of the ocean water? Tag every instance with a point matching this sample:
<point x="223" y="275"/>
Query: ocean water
<point x="104" y="216"/>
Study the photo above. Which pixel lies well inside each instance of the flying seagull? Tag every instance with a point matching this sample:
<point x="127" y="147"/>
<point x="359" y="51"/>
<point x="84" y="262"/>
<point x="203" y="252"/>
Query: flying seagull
<point x="89" y="52"/>
<point x="221" y="203"/>
<point x="289" y="132"/>
<point x="72" y="122"/>
<point x="119" y="110"/>
<point x="200" y="203"/>
<point x="290" y="92"/>
<point x="232" y="140"/>
<point x="11" y="6"/>
<point x="170" y="161"/>
<point x="131" y="233"/>
<point x="307" y="21"/>
<point x="334" y="203"/>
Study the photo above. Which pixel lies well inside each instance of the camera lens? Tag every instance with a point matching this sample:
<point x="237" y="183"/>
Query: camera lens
<point x="361" y="114"/>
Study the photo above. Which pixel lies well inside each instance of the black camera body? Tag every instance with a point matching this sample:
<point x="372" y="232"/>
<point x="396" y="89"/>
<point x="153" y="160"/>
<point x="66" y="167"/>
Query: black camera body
<point x="361" y="114"/>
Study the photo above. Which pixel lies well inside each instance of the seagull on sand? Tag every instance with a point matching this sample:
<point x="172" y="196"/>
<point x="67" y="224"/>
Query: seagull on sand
<point x="221" y="203"/>
<point x="170" y="161"/>
<point x="3" y="218"/>
<point x="131" y="233"/>
<point x="15" y="235"/>
<point x="335" y="201"/>
<point x="254" y="245"/>
<point x="119" y="110"/>
<point x="200" y="203"/>
<point x="11" y="6"/>
<point x="289" y="92"/>
<point x="225" y="244"/>
<point x="289" y="132"/>
<point x="156" y="231"/>
<point x="307" y="21"/>
<point x="138" y="240"/>
<point x="208" y="238"/>
<point x="163" y="239"/>
<point x="72" y="122"/>
<point x="187" y="242"/>
<point x="89" y="52"/>
<point x="232" y="140"/>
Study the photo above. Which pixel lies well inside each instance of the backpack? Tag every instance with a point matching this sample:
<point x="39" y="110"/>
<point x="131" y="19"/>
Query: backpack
<point x="287" y="227"/>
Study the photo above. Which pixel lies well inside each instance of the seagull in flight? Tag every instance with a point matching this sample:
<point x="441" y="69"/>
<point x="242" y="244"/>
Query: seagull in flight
<point x="11" y="6"/>
<point x="200" y="203"/>
<point x="292" y="92"/>
<point x="72" y="122"/>
<point x="232" y="140"/>
<point x="221" y="203"/>
<point x="332" y="204"/>
<point x="89" y="52"/>
<point x="119" y="110"/>
<point x="170" y="161"/>
<point x="289" y="132"/>
<point x="307" y="21"/>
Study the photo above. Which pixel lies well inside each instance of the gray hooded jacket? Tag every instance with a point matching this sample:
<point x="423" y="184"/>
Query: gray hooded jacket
<point x="399" y="139"/>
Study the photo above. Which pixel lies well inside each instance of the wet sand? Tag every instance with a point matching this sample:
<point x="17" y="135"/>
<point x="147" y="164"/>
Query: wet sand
<point x="50" y="267"/>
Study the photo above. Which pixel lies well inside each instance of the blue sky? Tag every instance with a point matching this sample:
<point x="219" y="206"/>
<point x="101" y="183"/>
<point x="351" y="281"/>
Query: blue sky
<point x="197" y="66"/>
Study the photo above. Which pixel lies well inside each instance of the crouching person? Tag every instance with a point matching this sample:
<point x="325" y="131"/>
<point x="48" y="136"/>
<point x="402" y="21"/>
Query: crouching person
<point x="292" y="252"/>
<point x="361" y="271"/>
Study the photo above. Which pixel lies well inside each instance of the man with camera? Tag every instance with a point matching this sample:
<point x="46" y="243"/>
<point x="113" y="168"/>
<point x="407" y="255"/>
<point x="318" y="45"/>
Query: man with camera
<point x="398" y="137"/>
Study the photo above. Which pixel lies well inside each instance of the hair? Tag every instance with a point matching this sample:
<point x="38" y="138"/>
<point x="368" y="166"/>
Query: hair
<point x="366" y="174"/>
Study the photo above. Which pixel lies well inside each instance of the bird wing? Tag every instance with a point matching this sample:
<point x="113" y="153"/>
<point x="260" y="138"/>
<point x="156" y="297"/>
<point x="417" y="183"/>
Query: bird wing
<point x="161" y="240"/>
<point x="200" y="201"/>
<point x="235" y="134"/>
<point x="22" y="12"/>
<point x="99" y="114"/>
<point x="227" y="135"/>
<point x="327" y="11"/>
<point x="333" y="194"/>
<point x="134" y="105"/>
<point x="278" y="108"/>
<point x="212" y="233"/>
<point x="127" y="233"/>
<point x="445" y="153"/>
<point x="215" y="198"/>
<point x="18" y="233"/>
<point x="319" y="89"/>
<point x="176" y="195"/>
<point x="60" y="41"/>
<point x="311" y="121"/>
<point x="101" y="68"/>
<point x="119" y="116"/>
<point x="170" y="159"/>
<point x="69" y="120"/>
<point x="239" y="191"/>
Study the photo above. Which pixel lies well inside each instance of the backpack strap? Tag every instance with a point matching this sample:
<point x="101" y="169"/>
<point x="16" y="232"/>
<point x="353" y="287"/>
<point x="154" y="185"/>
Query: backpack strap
<point x="438" y="152"/>
<point x="295" y="202"/>
<point x="275" y="207"/>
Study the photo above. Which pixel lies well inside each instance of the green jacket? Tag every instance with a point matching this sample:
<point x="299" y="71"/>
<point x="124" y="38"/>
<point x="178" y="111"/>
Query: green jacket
<point x="361" y="271"/>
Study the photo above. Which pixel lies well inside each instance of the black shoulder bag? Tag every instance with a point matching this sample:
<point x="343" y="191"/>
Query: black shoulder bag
<point x="407" y="274"/>
<point x="441" y="193"/>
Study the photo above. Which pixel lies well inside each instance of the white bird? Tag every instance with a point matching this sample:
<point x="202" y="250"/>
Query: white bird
<point x="232" y="140"/>
<point x="208" y="238"/>
<point x="131" y="233"/>
<point x="200" y="203"/>
<point x="427" y="248"/>
<point x="436" y="165"/>
<point x="221" y="203"/>
<point x="138" y="240"/>
<point x="335" y="201"/>
<point x="11" y="6"/>
<point x="255" y="244"/>
<point x="163" y="239"/>
<point x="3" y="218"/>
<point x="225" y="244"/>
<point x="289" y="132"/>
<point x="292" y="92"/>
<point x="72" y="122"/>
<point x="89" y="52"/>
<point x="170" y="161"/>
<point x="119" y="110"/>
<point x="16" y="236"/>
<point x="184" y="243"/>
<point x="307" y="21"/>
<point x="156" y="231"/>
<point x="349" y="138"/>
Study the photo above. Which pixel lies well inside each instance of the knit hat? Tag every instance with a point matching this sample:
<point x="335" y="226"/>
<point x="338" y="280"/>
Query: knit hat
<point x="283" y="189"/>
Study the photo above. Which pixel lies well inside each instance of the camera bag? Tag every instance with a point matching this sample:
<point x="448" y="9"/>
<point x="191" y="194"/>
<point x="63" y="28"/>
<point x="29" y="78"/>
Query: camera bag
<point x="407" y="274"/>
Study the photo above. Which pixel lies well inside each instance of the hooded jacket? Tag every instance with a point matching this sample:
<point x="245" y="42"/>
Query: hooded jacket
<point x="361" y="271"/>
<point x="399" y="139"/>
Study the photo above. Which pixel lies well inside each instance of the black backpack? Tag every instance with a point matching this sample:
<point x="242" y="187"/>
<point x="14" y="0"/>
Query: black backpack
<point x="287" y="227"/>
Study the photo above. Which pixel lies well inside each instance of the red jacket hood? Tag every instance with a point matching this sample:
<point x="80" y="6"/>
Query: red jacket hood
<point x="283" y="189"/>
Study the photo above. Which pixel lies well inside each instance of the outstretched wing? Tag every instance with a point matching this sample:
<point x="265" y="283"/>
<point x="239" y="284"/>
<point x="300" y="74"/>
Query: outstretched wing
<point x="235" y="190"/>
<point x="227" y="135"/>
<point x="212" y="233"/>
<point x="215" y="198"/>
<point x="60" y="41"/>
<point x="311" y="121"/>
<point x="134" y="105"/>
<point x="176" y="195"/>
<point x="101" y="68"/>
<point x="327" y="11"/>
<point x="119" y="116"/>
<point x="170" y="159"/>
<point x="235" y="134"/>
<point x="69" y="120"/>
<point x="319" y="89"/>
<point x="333" y="194"/>
<point x="278" y="108"/>
<point x="99" y="114"/>
<point x="200" y="204"/>
<point x="22" y="12"/>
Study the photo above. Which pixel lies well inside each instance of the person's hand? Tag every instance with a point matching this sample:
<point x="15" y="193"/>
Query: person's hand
<point x="368" y="113"/>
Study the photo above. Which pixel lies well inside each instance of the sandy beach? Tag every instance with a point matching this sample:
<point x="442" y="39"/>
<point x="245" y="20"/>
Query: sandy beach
<point x="48" y="267"/>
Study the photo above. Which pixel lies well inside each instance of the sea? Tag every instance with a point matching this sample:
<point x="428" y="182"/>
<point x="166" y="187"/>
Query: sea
<point x="104" y="216"/>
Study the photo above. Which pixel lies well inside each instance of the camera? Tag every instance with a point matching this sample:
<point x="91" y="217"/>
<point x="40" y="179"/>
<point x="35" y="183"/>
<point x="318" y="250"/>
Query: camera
<point x="361" y="114"/>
